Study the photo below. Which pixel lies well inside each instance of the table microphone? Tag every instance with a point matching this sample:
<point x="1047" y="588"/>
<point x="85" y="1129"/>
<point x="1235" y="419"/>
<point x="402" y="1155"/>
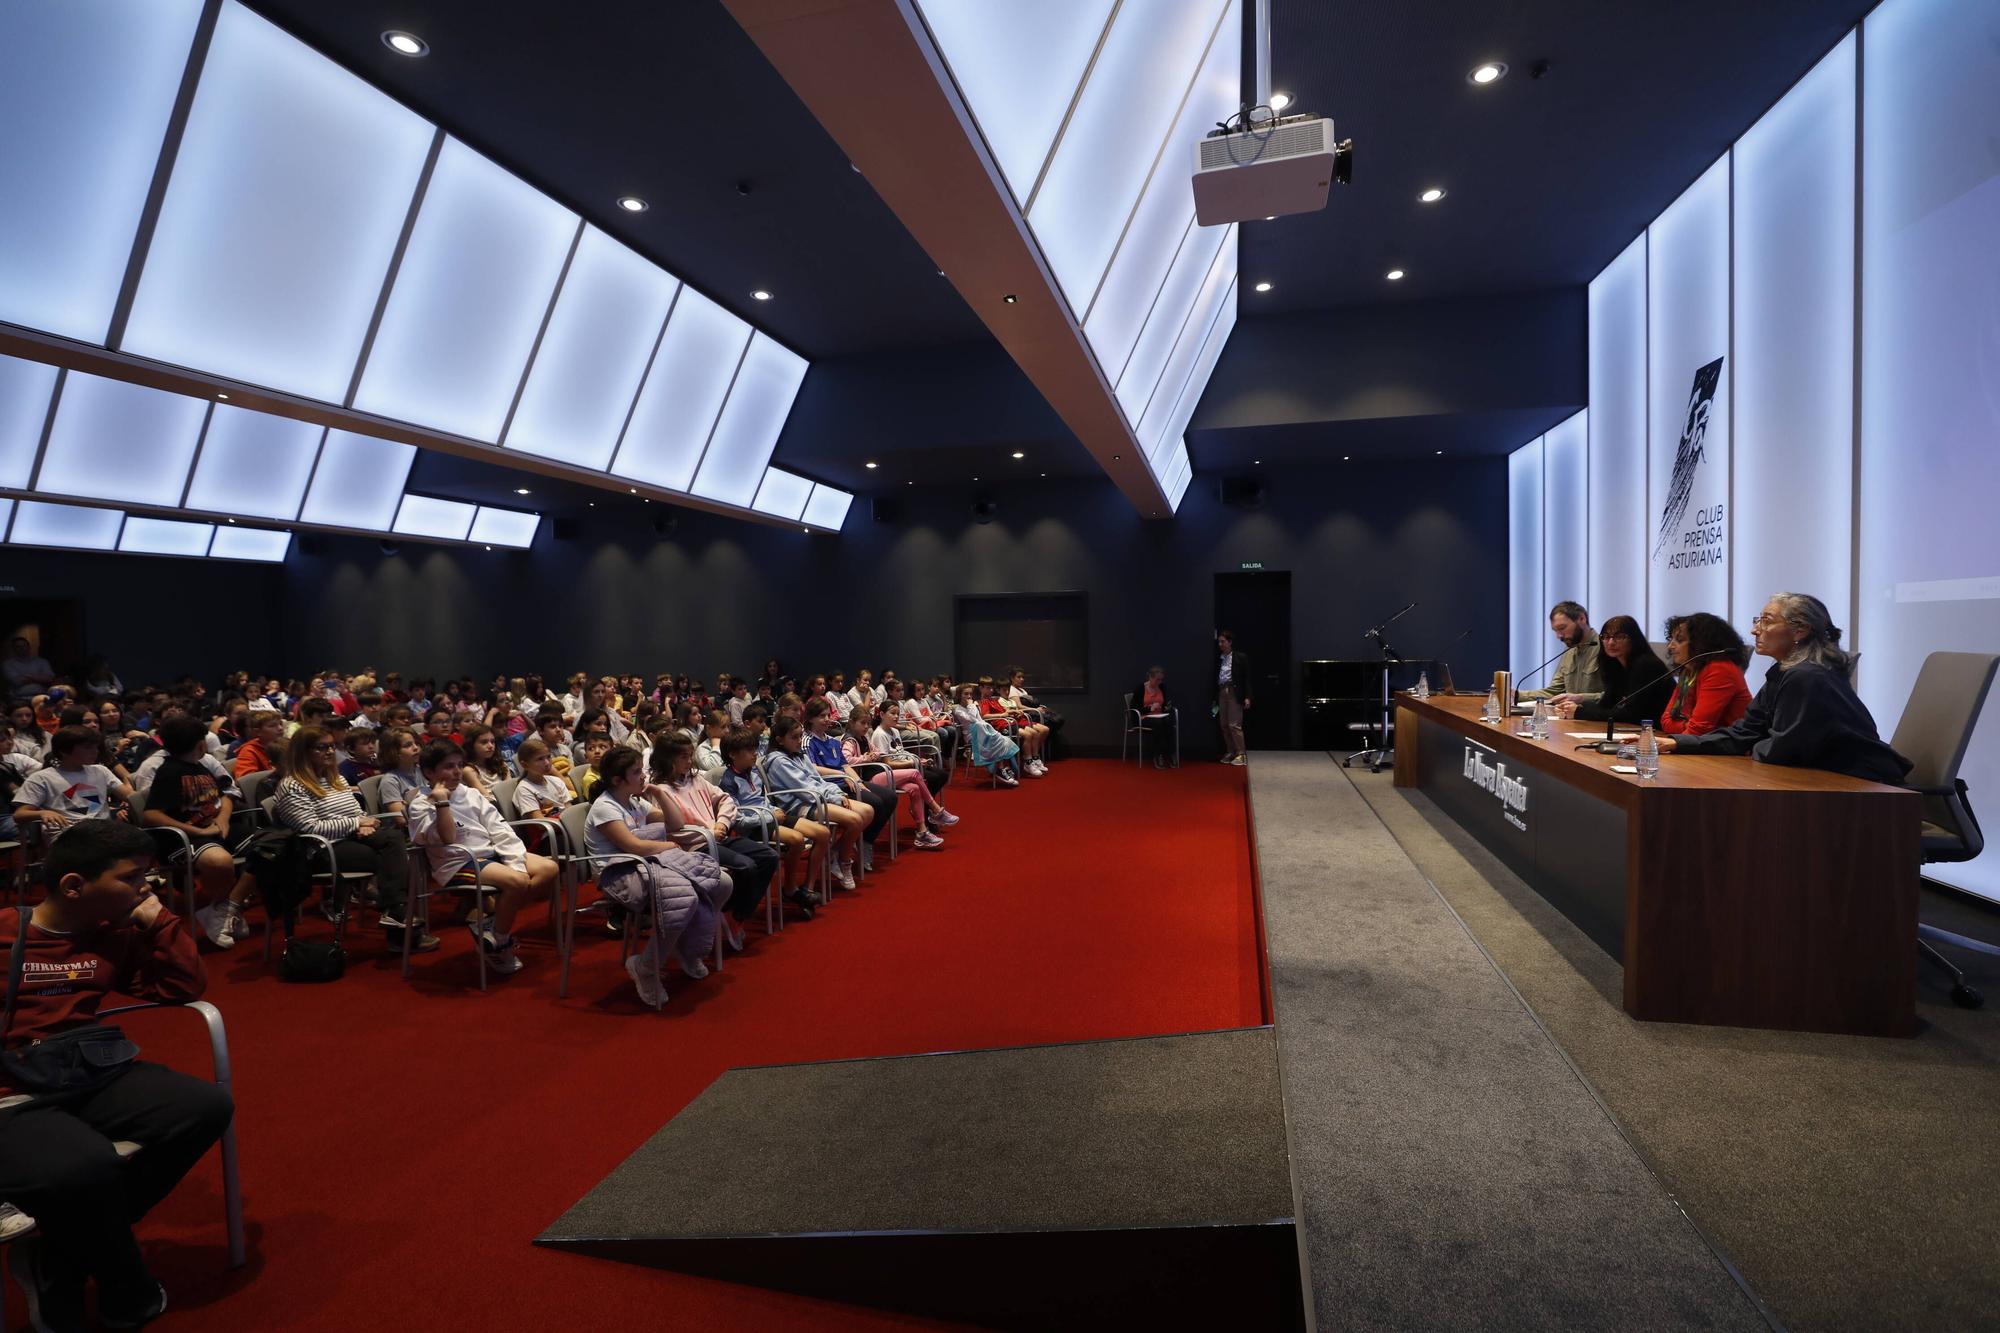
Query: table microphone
<point x="1536" y="672"/>
<point x="1609" y="745"/>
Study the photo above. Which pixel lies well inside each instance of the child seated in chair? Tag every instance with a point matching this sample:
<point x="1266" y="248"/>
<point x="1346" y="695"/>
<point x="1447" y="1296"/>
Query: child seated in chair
<point x="459" y="828"/>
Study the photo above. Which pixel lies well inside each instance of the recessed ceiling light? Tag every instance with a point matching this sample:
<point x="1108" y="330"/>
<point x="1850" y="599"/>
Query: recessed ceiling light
<point x="1279" y="101"/>
<point x="489" y="548"/>
<point x="1431" y="195"/>
<point x="807" y="531"/>
<point x="520" y="490"/>
<point x="1440" y="453"/>
<point x="1347" y="458"/>
<point x="1010" y="298"/>
<point x="1019" y="454"/>
<point x="1256" y="462"/>
<point x="909" y="483"/>
<point x="760" y="295"/>
<point x="223" y="396"/>
<point x="632" y="203"/>
<point x="405" y="43"/>
<point x="1045" y="474"/>
<point x="1270" y="217"/>
<point x="975" y="479"/>
<point x="1490" y="72"/>
<point x="870" y="466"/>
<point x="232" y="520"/>
<point x="631" y="490"/>
<point x="1394" y="275"/>
<point x="1116" y="457"/>
<point x="1263" y="286"/>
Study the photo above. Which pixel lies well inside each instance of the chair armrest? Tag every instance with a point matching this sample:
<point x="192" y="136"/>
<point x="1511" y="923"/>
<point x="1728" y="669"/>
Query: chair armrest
<point x="702" y="831"/>
<point x="187" y="843"/>
<point x="211" y="1017"/>
<point x="557" y="841"/>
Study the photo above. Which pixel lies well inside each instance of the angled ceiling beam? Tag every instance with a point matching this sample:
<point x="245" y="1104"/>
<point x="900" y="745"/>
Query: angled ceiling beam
<point x="867" y="72"/>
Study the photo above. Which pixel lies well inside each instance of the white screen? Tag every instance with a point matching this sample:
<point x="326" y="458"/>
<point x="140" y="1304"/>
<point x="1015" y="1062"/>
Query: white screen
<point x="286" y="201"/>
<point x="1565" y="536"/>
<point x="1687" y="314"/>
<point x="1528" y="637"/>
<point x="1617" y="520"/>
<point x="162" y="536"/>
<point x="117" y="441"/>
<point x="587" y="370"/>
<point x="70" y="527"/>
<point x="24" y="409"/>
<point x="683" y="393"/>
<point x="253" y="463"/>
<point x="470" y="294"/>
<point x="358" y="483"/>
<point x="748" y="428"/>
<point x="85" y="89"/>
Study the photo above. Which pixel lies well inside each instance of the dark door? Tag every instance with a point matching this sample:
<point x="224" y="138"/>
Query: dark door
<point x="1257" y="608"/>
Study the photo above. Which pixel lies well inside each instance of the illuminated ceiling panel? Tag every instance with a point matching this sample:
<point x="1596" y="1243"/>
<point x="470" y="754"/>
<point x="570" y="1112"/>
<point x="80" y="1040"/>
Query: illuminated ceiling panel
<point x="163" y="536"/>
<point x="469" y="296"/>
<point x="69" y="527"/>
<point x="1114" y="136"/>
<point x="828" y="507"/>
<point x="358" y="482"/>
<point x="117" y="441"/>
<point x="747" y="431"/>
<point x="504" y="527"/>
<point x="783" y="494"/>
<point x="1163" y="224"/>
<point x="24" y="409"/>
<point x="286" y="201"/>
<point x="234" y="543"/>
<point x="427" y="516"/>
<point x="676" y="411"/>
<point x="1147" y="402"/>
<point x="1018" y="65"/>
<point x="1168" y="318"/>
<point x="1222" y="320"/>
<point x="253" y="463"/>
<point x="588" y="368"/>
<point x="85" y="90"/>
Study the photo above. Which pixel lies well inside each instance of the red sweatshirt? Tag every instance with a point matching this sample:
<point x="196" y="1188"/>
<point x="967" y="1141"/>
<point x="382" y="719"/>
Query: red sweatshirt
<point x="1719" y="698"/>
<point x="64" y="978"/>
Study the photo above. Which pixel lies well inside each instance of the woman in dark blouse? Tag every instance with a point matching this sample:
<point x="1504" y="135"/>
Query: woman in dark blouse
<point x="1806" y="714"/>
<point x="1630" y="668"/>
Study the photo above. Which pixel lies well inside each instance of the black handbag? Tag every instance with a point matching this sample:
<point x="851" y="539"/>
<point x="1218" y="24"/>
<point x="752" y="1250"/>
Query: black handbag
<point x="312" y="960"/>
<point x="79" y="1060"/>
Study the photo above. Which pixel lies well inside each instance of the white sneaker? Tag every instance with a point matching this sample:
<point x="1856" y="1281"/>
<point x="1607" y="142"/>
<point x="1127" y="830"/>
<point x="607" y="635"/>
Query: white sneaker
<point x="1008" y="780"/>
<point x="1035" y="771"/>
<point x="1240" y="760"/>
<point x="1038" y="767"/>
<point x="843" y="877"/>
<point x="217" y="921"/>
<point x="695" y="968"/>
<point x="646" y="979"/>
<point x="928" y="840"/>
<point x="505" y="961"/>
<point x="14" y="1222"/>
<point x="943" y="818"/>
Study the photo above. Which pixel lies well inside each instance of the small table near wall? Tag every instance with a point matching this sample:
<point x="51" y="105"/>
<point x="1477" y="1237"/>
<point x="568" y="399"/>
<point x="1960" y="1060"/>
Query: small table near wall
<point x="1733" y="892"/>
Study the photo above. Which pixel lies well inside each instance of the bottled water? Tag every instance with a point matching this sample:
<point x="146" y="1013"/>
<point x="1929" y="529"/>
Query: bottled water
<point x="1423" y="690"/>
<point x="1648" y="759"/>
<point x="1492" y="713"/>
<point x="1545" y="722"/>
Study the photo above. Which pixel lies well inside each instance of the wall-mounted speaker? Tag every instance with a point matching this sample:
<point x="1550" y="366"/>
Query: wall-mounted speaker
<point x="391" y="548"/>
<point x="565" y="529"/>
<point x="884" y="510"/>
<point x="984" y="510"/>
<point x="1243" y="492"/>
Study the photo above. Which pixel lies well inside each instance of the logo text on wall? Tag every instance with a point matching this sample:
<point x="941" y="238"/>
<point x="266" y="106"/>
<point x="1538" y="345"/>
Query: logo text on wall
<point x="1512" y="793"/>
<point x="1700" y="544"/>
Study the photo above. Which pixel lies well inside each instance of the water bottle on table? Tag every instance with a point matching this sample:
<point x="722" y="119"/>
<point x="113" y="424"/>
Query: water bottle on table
<point x="1423" y="690"/>
<point x="1545" y="720"/>
<point x="1492" y="711"/>
<point x="1648" y="759"/>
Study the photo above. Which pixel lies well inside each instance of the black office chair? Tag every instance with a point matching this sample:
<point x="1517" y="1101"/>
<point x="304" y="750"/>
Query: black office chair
<point x="1935" y="729"/>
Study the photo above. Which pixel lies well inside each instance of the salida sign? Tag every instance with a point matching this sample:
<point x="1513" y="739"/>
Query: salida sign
<point x="1511" y="792"/>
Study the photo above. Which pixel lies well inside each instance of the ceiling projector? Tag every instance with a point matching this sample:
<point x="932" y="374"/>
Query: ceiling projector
<point x="1247" y="170"/>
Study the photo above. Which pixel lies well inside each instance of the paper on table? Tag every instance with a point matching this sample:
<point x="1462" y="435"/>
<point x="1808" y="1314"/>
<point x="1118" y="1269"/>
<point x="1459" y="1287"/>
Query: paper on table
<point x="1624" y="768"/>
<point x="1593" y="736"/>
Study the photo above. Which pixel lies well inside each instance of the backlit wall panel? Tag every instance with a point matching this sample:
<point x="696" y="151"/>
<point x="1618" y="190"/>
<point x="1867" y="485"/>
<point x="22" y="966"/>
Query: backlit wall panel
<point x="253" y="463"/>
<point x="117" y="441"/>
<point x="504" y="527"/>
<point x="1617" y="515"/>
<point x="85" y="90"/>
<point x="358" y="482"/>
<point x="683" y="393"/>
<point x="1794" y="409"/>
<point x="1216" y="289"/>
<point x="428" y="516"/>
<point x="285" y="204"/>
<point x="1131" y="100"/>
<point x="1565" y="536"/>
<point x="472" y="290"/>
<point x="1221" y="324"/>
<point x="1688" y="374"/>
<point x="1528" y="639"/>
<point x="25" y="387"/>
<point x="1194" y="266"/>
<point x="587" y="370"/>
<point x="1930" y="368"/>
<point x="67" y="527"/>
<point x="747" y="431"/>
<point x="237" y="543"/>
<point x="828" y="507"/>
<point x="783" y="494"/>
<point x="1018" y="66"/>
<point x="164" y="536"/>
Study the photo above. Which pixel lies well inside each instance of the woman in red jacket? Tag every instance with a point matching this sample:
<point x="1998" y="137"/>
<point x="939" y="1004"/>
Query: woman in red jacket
<point x="1714" y="694"/>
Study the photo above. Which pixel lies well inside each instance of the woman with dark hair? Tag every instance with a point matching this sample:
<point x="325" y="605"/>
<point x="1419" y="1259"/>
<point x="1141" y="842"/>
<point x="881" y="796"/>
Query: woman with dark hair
<point x="1630" y="669"/>
<point x="1711" y="693"/>
<point x="1807" y="714"/>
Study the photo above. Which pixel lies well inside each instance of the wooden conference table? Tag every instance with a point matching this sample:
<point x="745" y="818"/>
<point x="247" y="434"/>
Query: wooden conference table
<point x="1733" y="892"/>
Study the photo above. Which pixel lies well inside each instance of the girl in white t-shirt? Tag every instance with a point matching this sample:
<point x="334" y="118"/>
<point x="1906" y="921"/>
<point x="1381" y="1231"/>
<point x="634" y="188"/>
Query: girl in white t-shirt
<point x="686" y="889"/>
<point x="72" y="787"/>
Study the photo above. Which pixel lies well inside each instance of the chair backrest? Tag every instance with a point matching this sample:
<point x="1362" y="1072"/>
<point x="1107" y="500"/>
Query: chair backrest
<point x="503" y="797"/>
<point x="1128" y="698"/>
<point x="370" y="792"/>
<point x="253" y="786"/>
<point x="575" y="819"/>
<point x="1937" y="722"/>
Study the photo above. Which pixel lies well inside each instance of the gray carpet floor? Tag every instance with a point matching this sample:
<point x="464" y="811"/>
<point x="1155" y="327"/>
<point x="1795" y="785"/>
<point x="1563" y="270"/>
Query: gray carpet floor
<point x="1454" y="1171"/>
<point x="1853" y="1181"/>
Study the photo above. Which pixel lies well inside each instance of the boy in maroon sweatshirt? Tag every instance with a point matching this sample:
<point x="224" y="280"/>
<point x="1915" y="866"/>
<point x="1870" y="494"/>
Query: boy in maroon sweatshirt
<point x="98" y="932"/>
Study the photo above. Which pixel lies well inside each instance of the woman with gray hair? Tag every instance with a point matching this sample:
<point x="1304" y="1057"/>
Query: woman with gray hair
<point x="1807" y="714"/>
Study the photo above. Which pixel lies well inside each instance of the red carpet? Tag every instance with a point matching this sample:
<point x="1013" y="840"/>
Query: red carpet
<point x="403" y="1143"/>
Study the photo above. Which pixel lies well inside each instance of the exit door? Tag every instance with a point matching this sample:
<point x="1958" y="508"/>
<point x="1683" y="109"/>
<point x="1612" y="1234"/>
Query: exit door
<point x="1257" y="608"/>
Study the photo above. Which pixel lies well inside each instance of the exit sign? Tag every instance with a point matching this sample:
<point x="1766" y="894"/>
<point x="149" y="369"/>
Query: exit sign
<point x="1249" y="565"/>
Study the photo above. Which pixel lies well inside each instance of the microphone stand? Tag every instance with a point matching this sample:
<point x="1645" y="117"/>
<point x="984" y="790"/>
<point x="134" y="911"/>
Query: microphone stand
<point x="1383" y="753"/>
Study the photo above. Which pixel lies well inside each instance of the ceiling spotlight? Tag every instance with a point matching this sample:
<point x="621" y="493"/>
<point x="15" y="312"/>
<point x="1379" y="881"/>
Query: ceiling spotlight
<point x="1263" y="286"/>
<point x="760" y="295"/>
<point x="232" y="520"/>
<point x="1347" y="458"/>
<point x="405" y="43"/>
<point x="1279" y="101"/>
<point x="1431" y="195"/>
<point x="1019" y="454"/>
<point x="1256" y="462"/>
<point x="489" y="548"/>
<point x="1117" y="457"/>
<point x="631" y="490"/>
<point x="909" y="483"/>
<point x="1394" y="275"/>
<point x="1489" y="72"/>
<point x="1010" y="298"/>
<point x="1440" y="453"/>
<point x="520" y="490"/>
<point x="632" y="203"/>
<point x="870" y="466"/>
<point x="1270" y="217"/>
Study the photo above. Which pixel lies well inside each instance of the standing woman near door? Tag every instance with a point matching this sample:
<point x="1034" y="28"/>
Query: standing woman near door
<point x="1232" y="695"/>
